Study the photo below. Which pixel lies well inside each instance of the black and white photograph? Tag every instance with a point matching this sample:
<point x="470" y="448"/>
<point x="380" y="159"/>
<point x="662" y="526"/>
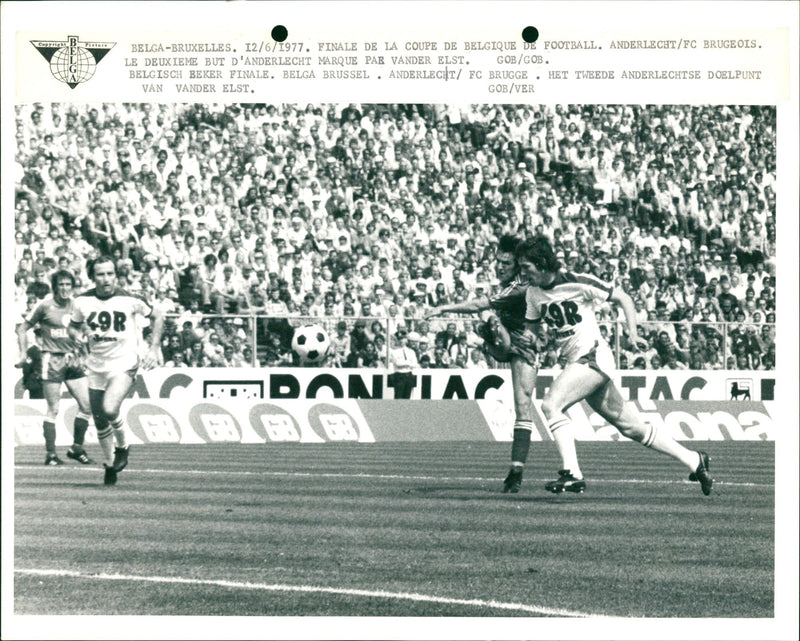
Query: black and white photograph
<point x="436" y="363"/>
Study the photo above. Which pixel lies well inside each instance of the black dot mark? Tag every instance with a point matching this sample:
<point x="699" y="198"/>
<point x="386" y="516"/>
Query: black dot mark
<point x="279" y="33"/>
<point x="530" y="34"/>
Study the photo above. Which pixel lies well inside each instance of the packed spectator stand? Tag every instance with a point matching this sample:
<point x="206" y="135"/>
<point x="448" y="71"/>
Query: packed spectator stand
<point x="244" y="221"/>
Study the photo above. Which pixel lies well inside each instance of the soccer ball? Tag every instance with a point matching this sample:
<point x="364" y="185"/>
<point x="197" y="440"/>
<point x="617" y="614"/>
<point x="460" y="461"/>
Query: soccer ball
<point x="311" y="344"/>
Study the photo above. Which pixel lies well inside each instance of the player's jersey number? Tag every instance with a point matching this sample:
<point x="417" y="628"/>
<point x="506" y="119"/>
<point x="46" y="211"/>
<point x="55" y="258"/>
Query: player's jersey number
<point x="559" y="314"/>
<point x="106" y="320"/>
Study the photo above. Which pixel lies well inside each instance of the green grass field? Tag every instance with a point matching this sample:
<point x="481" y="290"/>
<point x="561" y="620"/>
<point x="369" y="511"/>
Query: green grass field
<point x="395" y="529"/>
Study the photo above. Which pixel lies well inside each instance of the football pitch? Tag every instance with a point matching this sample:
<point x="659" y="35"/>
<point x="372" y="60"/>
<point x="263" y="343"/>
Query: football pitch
<point x="394" y="529"/>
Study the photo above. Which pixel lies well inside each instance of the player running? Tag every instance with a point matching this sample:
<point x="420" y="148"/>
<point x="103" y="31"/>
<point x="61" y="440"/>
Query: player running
<point x="52" y="316"/>
<point x="566" y="302"/>
<point x="502" y="333"/>
<point x="109" y="316"/>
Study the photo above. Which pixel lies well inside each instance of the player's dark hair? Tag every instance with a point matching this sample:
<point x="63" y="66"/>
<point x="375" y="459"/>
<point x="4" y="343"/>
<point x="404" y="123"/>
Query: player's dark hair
<point x="539" y="252"/>
<point x="508" y="243"/>
<point x="94" y="262"/>
<point x="61" y="274"/>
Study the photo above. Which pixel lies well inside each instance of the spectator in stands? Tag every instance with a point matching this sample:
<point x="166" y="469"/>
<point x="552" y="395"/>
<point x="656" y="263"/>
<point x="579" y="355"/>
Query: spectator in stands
<point x="358" y="340"/>
<point x="402" y="360"/>
<point x="412" y="342"/>
<point x="340" y="345"/>
<point x="369" y="356"/>
<point x="622" y="190"/>
<point x="172" y="352"/>
<point x="277" y="354"/>
<point x="458" y="350"/>
<point x="768" y="360"/>
<point x="441" y="359"/>
<point x="477" y="360"/>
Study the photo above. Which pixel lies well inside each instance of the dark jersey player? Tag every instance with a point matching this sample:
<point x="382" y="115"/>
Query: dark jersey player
<point x="507" y="340"/>
<point x="111" y="319"/>
<point x="57" y="365"/>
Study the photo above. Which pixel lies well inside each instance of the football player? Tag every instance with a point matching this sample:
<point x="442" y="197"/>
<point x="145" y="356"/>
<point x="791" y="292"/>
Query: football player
<point x="110" y="318"/>
<point x="502" y="333"/>
<point x="566" y="301"/>
<point x="51" y="317"/>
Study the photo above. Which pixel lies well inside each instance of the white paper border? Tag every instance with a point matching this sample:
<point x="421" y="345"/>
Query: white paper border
<point x="500" y="20"/>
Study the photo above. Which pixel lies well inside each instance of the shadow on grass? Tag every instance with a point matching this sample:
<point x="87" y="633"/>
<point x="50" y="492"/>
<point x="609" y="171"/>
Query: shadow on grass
<point x="459" y="493"/>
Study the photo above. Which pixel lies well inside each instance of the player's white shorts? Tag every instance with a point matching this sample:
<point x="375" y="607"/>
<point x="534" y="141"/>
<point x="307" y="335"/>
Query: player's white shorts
<point x="99" y="377"/>
<point x="600" y="358"/>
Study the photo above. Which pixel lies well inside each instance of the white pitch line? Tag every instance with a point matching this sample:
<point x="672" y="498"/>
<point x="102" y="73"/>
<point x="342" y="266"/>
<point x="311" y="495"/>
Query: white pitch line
<point x="277" y="587"/>
<point x="129" y="470"/>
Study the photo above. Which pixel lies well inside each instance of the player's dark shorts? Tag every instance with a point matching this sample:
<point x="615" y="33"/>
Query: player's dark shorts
<point x="528" y="354"/>
<point x="502" y="343"/>
<point x="57" y="369"/>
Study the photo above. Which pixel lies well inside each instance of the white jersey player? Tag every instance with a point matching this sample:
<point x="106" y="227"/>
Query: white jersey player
<point x="567" y="302"/>
<point x="113" y="332"/>
<point x="567" y="305"/>
<point x="110" y="318"/>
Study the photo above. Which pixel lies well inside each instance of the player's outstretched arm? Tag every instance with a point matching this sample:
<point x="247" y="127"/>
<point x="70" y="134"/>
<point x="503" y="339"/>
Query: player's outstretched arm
<point x="152" y="357"/>
<point x="621" y="297"/>
<point x="80" y="346"/>
<point x="76" y="332"/>
<point x="22" y="339"/>
<point x="467" y="307"/>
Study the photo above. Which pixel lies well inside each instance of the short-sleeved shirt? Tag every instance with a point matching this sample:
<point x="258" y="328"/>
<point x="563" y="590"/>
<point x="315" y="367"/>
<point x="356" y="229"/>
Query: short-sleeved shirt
<point x="114" y="328"/>
<point x="53" y="320"/>
<point x="567" y="305"/>
<point x="510" y="305"/>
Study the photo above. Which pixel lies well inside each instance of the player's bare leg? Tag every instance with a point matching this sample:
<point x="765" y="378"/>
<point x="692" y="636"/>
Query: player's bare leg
<point x="117" y="389"/>
<point x="523" y="377"/>
<point x="105" y="436"/>
<point x="576" y="382"/>
<point x="52" y="395"/>
<point x="79" y="389"/>
<point x="608" y="403"/>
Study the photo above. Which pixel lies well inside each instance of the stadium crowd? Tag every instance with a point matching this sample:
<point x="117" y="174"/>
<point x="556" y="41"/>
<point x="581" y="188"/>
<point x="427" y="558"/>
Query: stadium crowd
<point x="244" y="221"/>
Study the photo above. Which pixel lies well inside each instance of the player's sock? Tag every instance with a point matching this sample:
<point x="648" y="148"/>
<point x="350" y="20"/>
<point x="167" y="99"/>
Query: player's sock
<point x="120" y="436"/>
<point x="521" y="443"/>
<point x="660" y="442"/>
<point x="561" y="429"/>
<point x="79" y="428"/>
<point x="105" y="437"/>
<point x="49" y="429"/>
<point x="630" y="423"/>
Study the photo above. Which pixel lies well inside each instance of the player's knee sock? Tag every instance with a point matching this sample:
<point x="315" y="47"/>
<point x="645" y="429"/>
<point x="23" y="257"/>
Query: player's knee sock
<point x="120" y="436"/>
<point x="105" y="437"/>
<point x="656" y="439"/>
<point x="49" y="429"/>
<point x="79" y="428"/>
<point x="561" y="429"/>
<point x="521" y="443"/>
<point x="660" y="442"/>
